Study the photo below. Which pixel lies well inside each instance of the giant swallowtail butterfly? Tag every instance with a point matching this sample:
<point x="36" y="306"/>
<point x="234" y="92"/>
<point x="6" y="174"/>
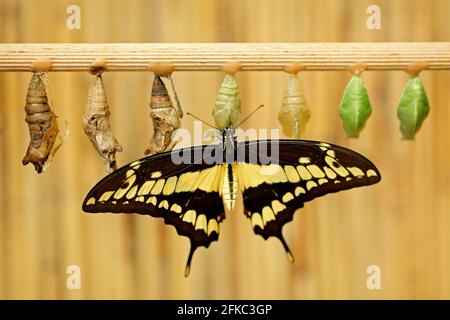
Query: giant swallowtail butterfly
<point x="191" y="194"/>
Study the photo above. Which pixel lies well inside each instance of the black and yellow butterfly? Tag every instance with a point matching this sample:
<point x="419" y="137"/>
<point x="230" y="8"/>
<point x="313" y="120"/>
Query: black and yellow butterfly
<point x="191" y="194"/>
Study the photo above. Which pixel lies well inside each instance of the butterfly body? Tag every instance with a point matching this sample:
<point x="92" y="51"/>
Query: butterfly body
<point x="190" y="188"/>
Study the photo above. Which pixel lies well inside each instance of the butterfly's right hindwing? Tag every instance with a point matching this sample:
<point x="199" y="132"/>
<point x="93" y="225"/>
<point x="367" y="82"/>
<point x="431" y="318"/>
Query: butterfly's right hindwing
<point x="301" y="171"/>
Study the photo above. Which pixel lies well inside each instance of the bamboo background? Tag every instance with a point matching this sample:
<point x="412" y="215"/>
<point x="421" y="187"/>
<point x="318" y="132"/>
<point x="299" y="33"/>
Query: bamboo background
<point x="401" y="224"/>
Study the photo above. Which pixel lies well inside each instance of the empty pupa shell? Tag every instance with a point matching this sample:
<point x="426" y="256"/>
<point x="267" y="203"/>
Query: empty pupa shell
<point x="355" y="106"/>
<point x="294" y="112"/>
<point x="166" y="117"/>
<point x="97" y="126"/>
<point x="413" y="107"/>
<point x="227" y="108"/>
<point x="42" y="124"/>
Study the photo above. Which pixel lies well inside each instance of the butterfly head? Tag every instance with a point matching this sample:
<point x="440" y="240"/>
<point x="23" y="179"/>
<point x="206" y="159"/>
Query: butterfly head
<point x="228" y="138"/>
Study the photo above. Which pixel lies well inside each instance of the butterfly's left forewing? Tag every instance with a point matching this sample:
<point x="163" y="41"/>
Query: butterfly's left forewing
<point x="185" y="195"/>
<point x="301" y="171"/>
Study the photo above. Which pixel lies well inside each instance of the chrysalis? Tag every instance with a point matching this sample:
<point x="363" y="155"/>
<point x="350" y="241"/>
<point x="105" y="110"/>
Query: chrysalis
<point x="227" y="108"/>
<point x="294" y="112"/>
<point x="42" y="125"/>
<point x="355" y="106"/>
<point x="166" y="117"/>
<point x="97" y="126"/>
<point x="413" y="107"/>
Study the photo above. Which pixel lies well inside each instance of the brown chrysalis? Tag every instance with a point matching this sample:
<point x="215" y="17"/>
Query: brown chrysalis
<point x="42" y="125"/>
<point x="97" y="126"/>
<point x="166" y="117"/>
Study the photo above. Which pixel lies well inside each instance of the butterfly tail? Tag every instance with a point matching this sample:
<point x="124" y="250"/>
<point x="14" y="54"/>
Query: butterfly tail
<point x="187" y="270"/>
<point x="286" y="248"/>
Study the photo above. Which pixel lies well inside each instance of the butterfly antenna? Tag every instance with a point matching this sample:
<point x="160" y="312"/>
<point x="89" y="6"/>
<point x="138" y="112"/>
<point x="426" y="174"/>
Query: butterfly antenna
<point x="286" y="248"/>
<point x="249" y="115"/>
<point x="195" y="117"/>
<point x="188" y="263"/>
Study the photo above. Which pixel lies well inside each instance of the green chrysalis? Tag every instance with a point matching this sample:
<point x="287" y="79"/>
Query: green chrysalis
<point x="294" y="112"/>
<point x="355" y="106"/>
<point x="227" y="108"/>
<point x="413" y="107"/>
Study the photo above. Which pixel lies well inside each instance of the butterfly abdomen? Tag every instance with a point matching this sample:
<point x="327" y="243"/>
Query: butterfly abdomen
<point x="229" y="188"/>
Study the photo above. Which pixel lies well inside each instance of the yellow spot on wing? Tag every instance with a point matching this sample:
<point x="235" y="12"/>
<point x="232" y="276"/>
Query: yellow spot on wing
<point x="156" y="174"/>
<point x="152" y="200"/>
<point x="336" y="166"/>
<point x="170" y="185"/>
<point x="298" y="191"/>
<point x="291" y="174"/>
<point x="304" y="174"/>
<point x="322" y="181"/>
<point x="330" y="173"/>
<point x="267" y="214"/>
<point x="310" y="185"/>
<point x="146" y="187"/>
<point x="315" y="171"/>
<point x="158" y="187"/>
<point x="186" y="181"/>
<point x="129" y="173"/>
<point x="128" y="184"/>
<point x="182" y="180"/>
<point x="257" y="220"/>
<point x="164" y="204"/>
<point x="248" y="175"/>
<point x="135" y="164"/>
<point x="132" y="192"/>
<point x="304" y="160"/>
<point x="277" y="206"/>
<point x="189" y="217"/>
<point x="371" y="173"/>
<point x="213" y="226"/>
<point x="208" y="179"/>
<point x="90" y="201"/>
<point x="357" y="172"/>
<point x="331" y="153"/>
<point x="201" y="223"/>
<point x="273" y="173"/>
<point x="175" y="208"/>
<point x="140" y="199"/>
<point x="279" y="176"/>
<point x="287" y="197"/>
<point x="106" y="196"/>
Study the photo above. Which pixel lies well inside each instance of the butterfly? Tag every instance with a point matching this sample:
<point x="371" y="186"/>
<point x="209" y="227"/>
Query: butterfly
<point x="191" y="187"/>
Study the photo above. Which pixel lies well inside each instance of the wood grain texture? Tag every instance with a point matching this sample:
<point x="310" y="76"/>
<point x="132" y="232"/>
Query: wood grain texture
<point x="212" y="56"/>
<point x="401" y="224"/>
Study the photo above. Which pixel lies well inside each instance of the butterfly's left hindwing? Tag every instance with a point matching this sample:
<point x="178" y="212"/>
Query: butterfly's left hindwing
<point x="304" y="170"/>
<point x="186" y="196"/>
